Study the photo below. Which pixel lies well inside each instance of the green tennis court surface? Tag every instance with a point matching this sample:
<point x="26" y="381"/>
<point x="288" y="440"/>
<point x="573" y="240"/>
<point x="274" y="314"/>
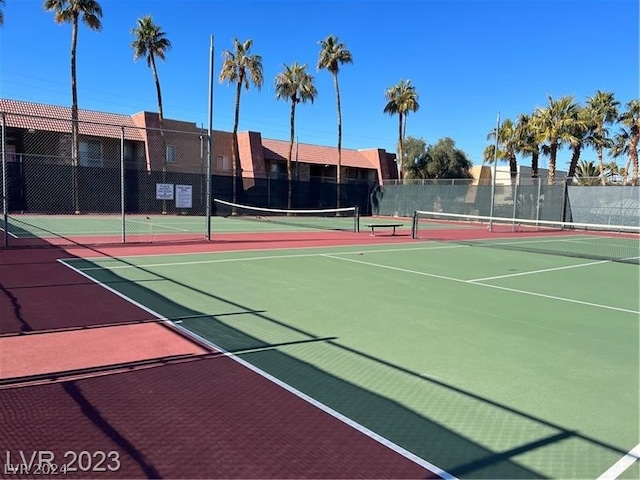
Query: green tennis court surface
<point x="78" y="226"/>
<point x="486" y="362"/>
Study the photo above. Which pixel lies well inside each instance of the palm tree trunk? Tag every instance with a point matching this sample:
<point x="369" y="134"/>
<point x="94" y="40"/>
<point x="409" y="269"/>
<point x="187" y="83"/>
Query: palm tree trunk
<point x="575" y="157"/>
<point x="160" y="120"/>
<point x="289" y="173"/>
<point x="553" y="151"/>
<point x="234" y="148"/>
<point x="400" y="166"/>
<point x="601" y="165"/>
<point x="339" y="170"/>
<point x="535" y="155"/>
<point x="75" y="130"/>
<point x="633" y="156"/>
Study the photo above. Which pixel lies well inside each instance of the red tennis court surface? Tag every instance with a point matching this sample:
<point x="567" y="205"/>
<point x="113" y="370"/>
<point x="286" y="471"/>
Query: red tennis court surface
<point x="184" y="414"/>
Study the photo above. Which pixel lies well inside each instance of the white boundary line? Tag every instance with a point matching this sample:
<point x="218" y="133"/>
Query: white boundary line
<point x="9" y="233"/>
<point x="237" y="259"/>
<point x="161" y="225"/>
<point x="340" y="256"/>
<point x="566" y="267"/>
<point x="622" y="465"/>
<point x="360" y="428"/>
<point x="472" y="282"/>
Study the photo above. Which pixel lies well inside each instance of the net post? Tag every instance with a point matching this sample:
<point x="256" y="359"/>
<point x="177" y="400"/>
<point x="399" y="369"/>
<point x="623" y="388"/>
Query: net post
<point x="565" y="184"/>
<point x="356" y="220"/>
<point x="515" y="206"/>
<point x="414" y="225"/>
<point x="538" y="200"/>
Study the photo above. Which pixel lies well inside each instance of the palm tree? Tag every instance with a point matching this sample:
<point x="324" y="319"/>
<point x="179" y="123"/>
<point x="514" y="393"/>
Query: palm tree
<point x="621" y="146"/>
<point x="402" y="98"/>
<point x="333" y="53"/>
<point x="526" y="140"/>
<point x="151" y="42"/>
<point x="294" y="84"/>
<point x="242" y="68"/>
<point x="1" y="12"/>
<point x="70" y="11"/>
<point x="553" y="128"/>
<point x="578" y="132"/>
<point x="614" y="171"/>
<point x="508" y="140"/>
<point x="631" y="119"/>
<point x="586" y="173"/>
<point x="603" y="111"/>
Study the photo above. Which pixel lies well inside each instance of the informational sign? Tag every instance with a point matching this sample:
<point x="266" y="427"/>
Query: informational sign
<point x="184" y="196"/>
<point x="164" y="191"/>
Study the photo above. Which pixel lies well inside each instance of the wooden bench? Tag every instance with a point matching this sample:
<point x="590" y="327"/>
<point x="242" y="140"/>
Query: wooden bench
<point x="373" y="227"/>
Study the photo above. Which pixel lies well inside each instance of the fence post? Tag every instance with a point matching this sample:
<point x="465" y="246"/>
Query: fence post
<point x="5" y="192"/>
<point x="122" y="186"/>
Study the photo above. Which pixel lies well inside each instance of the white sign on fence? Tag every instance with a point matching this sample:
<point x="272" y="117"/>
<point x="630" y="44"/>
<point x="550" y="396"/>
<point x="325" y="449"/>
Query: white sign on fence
<point x="164" y="191"/>
<point x="184" y="196"/>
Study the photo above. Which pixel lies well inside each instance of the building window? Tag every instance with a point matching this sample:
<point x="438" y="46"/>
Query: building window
<point x="223" y="163"/>
<point x="90" y="154"/>
<point x="171" y="154"/>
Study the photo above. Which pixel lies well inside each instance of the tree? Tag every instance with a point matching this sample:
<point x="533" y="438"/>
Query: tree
<point x="602" y="109"/>
<point x="333" y="53"/>
<point x="630" y="119"/>
<point x="507" y="147"/>
<point x="294" y="84"/>
<point x="70" y="11"/>
<point x="444" y="160"/>
<point x="1" y="12"/>
<point x="415" y="156"/>
<point x="526" y="140"/>
<point x="586" y="173"/>
<point x="241" y="68"/>
<point x="577" y="136"/>
<point x="151" y="42"/>
<point x="621" y="146"/>
<point x="402" y="98"/>
<point x="553" y="123"/>
<point x="614" y="172"/>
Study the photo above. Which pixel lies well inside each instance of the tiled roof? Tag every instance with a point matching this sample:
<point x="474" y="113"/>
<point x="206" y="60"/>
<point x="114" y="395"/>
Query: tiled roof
<point x="279" y="150"/>
<point x="54" y="118"/>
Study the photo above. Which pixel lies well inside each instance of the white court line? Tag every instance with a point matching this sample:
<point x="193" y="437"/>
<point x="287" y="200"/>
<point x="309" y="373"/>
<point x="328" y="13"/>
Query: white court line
<point x="339" y="257"/>
<point x="537" y="271"/>
<point x="150" y="223"/>
<point x="10" y="234"/>
<point x="334" y="413"/>
<point x="245" y="259"/>
<point x="469" y="282"/>
<point x="622" y="465"/>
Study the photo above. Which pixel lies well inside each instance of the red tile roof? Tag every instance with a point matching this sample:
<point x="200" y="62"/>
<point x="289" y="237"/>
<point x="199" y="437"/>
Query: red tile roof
<point x="279" y="150"/>
<point x="54" y="118"/>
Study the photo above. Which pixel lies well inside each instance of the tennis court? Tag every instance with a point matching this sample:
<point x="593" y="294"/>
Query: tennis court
<point x="113" y="228"/>
<point x="473" y="362"/>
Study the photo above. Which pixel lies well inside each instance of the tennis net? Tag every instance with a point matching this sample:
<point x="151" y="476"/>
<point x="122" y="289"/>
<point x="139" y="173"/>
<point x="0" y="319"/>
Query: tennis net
<point x="619" y="243"/>
<point x="345" y="219"/>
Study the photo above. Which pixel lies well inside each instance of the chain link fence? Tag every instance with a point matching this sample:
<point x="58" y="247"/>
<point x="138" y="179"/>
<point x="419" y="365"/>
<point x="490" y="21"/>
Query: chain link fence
<point x="105" y="184"/>
<point x="122" y="183"/>
<point x="528" y="199"/>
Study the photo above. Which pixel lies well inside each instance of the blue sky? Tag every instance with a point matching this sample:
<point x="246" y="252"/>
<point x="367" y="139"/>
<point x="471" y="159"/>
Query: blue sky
<point x="469" y="60"/>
